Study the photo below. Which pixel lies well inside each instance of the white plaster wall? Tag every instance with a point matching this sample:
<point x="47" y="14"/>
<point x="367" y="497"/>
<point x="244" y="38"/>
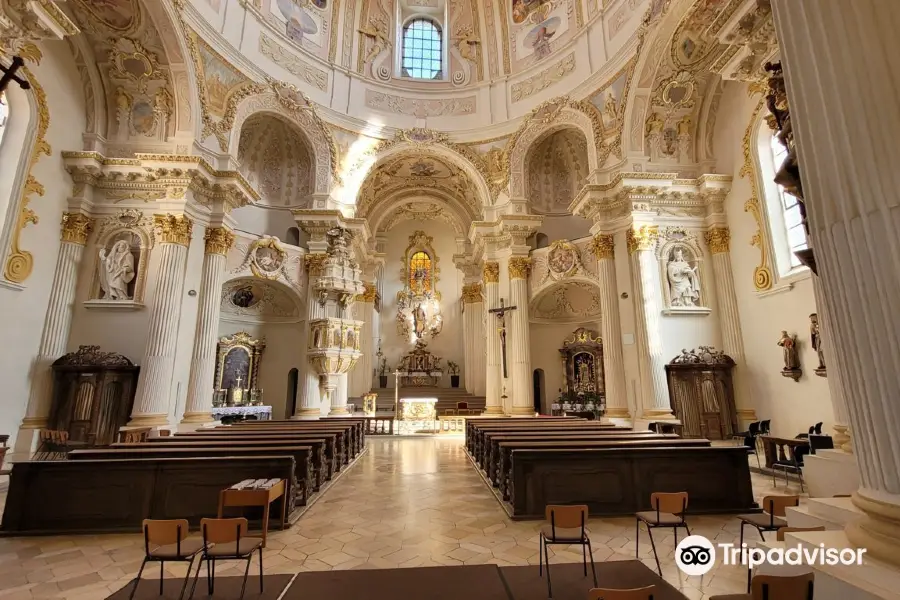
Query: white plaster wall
<point x="258" y="220"/>
<point x="449" y="344"/>
<point x="285" y="343"/>
<point x="791" y="406"/>
<point x="23" y="310"/>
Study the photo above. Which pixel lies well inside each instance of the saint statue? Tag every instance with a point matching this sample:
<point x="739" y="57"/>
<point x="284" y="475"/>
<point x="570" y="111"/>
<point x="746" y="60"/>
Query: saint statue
<point x="584" y="375"/>
<point x="116" y="271"/>
<point x="610" y="108"/>
<point x="788" y="344"/>
<point x="419" y="320"/>
<point x="684" y="281"/>
<point x="816" y="339"/>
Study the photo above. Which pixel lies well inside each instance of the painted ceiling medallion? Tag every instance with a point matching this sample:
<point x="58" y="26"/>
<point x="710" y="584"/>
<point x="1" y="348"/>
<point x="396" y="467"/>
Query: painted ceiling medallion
<point x="563" y="259"/>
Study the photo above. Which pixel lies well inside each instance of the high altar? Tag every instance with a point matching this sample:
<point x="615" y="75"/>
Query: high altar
<point x="420" y="368"/>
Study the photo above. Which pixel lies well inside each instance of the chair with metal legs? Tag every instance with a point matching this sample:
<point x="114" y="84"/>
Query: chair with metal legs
<point x="225" y="539"/>
<point x="566" y="527"/>
<point x="167" y="541"/>
<point x="668" y="511"/>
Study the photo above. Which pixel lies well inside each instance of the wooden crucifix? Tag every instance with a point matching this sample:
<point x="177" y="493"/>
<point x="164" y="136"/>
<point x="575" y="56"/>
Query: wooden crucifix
<point x="501" y="314"/>
<point x="9" y="74"/>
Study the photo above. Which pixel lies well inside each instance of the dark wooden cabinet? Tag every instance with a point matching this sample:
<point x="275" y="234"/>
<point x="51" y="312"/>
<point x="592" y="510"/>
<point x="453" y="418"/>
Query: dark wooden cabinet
<point x="93" y="393"/>
<point x="701" y="393"/>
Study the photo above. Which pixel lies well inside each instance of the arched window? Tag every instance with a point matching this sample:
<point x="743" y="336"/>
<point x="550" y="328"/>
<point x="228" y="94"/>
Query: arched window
<point x="420" y="272"/>
<point x="785" y="222"/>
<point x="422" y="49"/>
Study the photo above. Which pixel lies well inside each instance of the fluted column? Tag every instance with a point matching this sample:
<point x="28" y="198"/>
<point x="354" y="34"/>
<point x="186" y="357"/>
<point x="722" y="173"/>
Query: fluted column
<point x="719" y="241"/>
<point x="361" y="375"/>
<point x="151" y="403"/>
<point x="198" y="408"/>
<point x="473" y="337"/>
<point x="648" y="307"/>
<point x="493" y="374"/>
<point x="310" y="403"/>
<point x="58" y="322"/>
<point x="841" y="425"/>
<point x="519" y="344"/>
<point x="603" y="247"/>
<point x="845" y="122"/>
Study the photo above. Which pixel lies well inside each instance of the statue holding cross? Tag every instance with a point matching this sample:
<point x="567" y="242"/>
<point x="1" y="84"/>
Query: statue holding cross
<point x="501" y="314"/>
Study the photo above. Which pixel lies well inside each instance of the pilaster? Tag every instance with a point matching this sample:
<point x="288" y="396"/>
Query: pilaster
<point x="519" y="344"/>
<point x="473" y="338"/>
<point x="604" y="249"/>
<point x="493" y="375"/>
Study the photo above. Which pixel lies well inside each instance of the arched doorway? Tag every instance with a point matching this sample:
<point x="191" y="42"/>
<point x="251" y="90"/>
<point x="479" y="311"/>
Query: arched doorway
<point x="539" y="389"/>
<point x="291" y="404"/>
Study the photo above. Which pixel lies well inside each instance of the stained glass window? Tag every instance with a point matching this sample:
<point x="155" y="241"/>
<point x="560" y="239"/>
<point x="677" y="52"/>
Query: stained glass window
<point x="420" y="273"/>
<point x="793" y="223"/>
<point x="422" y="49"/>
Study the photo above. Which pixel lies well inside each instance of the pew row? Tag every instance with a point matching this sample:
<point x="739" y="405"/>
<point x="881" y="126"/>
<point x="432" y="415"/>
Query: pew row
<point x="344" y="451"/>
<point x="113" y="496"/>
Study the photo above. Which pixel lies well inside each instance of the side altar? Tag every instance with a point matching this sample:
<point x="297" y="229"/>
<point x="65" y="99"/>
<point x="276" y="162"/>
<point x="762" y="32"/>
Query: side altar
<point x="420" y="367"/>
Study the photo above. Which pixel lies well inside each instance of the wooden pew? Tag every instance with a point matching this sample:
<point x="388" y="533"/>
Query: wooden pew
<point x="619" y="481"/>
<point x="322" y="450"/>
<point x="300" y="485"/>
<point x="491" y="454"/>
<point x="475" y="422"/>
<point x="506" y="450"/>
<point x="481" y="432"/>
<point x="353" y="429"/>
<point x="344" y="452"/>
<point x="114" y="496"/>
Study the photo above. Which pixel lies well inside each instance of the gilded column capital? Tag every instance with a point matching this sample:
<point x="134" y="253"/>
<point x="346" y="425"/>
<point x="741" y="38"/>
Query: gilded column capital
<point x="719" y="240"/>
<point x="75" y="228"/>
<point x="471" y="293"/>
<point x="603" y="246"/>
<point x="491" y="272"/>
<point x="642" y="238"/>
<point x="315" y="263"/>
<point x="218" y="240"/>
<point x="173" y="229"/>
<point x="369" y="294"/>
<point x="519" y="267"/>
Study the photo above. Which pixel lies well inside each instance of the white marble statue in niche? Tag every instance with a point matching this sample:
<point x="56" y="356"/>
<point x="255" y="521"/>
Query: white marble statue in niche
<point x="117" y="271"/>
<point x="684" y="279"/>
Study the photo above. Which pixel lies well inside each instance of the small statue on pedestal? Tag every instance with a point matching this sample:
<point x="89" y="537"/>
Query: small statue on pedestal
<point x="816" y="339"/>
<point x="791" y="368"/>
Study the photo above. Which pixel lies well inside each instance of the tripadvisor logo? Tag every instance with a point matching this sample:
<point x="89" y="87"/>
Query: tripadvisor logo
<point x="695" y="555"/>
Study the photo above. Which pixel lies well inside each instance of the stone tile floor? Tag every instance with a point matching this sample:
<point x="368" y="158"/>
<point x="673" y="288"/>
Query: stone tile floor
<point x="409" y="502"/>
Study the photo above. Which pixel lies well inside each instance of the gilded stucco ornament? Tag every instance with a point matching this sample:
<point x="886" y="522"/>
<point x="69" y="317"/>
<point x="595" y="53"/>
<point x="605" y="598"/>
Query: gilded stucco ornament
<point x="718" y="239"/>
<point x="471" y="293"/>
<point x="519" y="267"/>
<point x="25" y="22"/>
<point x="642" y="238"/>
<point x="75" y="228"/>
<point x="762" y="273"/>
<point x="603" y="246"/>
<point x="491" y="272"/>
<point x="173" y="229"/>
<point x="315" y="263"/>
<point x="218" y="240"/>
<point x="563" y="259"/>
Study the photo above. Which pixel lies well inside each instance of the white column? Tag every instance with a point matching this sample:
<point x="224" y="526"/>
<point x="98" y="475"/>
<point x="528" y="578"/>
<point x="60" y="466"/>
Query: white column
<point x="310" y="405"/>
<point x="719" y="241"/>
<point x="846" y="125"/>
<point x="493" y="375"/>
<point x="648" y="307"/>
<point x="151" y="403"/>
<point x="198" y="408"/>
<point x="474" y="338"/>
<point x="519" y="344"/>
<point x="841" y="425"/>
<point x="361" y="375"/>
<point x="611" y="328"/>
<point x="57" y="325"/>
<point x="339" y="397"/>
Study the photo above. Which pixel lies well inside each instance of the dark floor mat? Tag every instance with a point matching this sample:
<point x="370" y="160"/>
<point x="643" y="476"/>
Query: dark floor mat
<point x="227" y="588"/>
<point x="570" y="583"/>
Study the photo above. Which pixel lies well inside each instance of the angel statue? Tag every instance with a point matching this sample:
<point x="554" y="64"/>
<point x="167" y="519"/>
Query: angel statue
<point x="116" y="271"/>
<point x="377" y="31"/>
<point x="466" y="42"/>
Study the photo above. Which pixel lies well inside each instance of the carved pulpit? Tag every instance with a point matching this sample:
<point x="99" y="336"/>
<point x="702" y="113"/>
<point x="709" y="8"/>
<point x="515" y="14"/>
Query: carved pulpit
<point x="701" y="393"/>
<point x="420" y="367"/>
<point x="582" y="357"/>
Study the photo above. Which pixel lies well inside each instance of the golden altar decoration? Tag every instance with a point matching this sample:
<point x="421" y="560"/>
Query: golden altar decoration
<point x="418" y="409"/>
<point x="420" y="367"/>
<point x="370" y="404"/>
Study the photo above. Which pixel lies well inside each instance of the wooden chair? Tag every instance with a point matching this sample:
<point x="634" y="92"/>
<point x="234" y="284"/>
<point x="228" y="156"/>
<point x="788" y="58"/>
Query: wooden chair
<point x="668" y="511"/>
<point x="226" y="539"/>
<point x="775" y="587"/>
<point x="779" y="536"/>
<point x="644" y="593"/>
<point x="773" y="517"/>
<point x="566" y="526"/>
<point x="167" y="541"/>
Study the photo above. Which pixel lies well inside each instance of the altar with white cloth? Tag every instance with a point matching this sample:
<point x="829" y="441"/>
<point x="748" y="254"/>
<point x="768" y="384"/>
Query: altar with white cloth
<point x="263" y="413"/>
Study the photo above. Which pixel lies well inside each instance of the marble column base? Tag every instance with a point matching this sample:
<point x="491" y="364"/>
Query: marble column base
<point x="879" y="530"/>
<point x="151" y="420"/>
<point x="305" y="414"/>
<point x="197" y="417"/>
<point x="523" y="411"/>
<point x="493" y="410"/>
<point x="339" y="411"/>
<point x="659" y="414"/>
<point x="617" y="412"/>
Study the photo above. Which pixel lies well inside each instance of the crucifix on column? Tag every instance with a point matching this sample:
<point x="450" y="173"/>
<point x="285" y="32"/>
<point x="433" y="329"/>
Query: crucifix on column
<point x="501" y="314"/>
<point x="9" y="74"/>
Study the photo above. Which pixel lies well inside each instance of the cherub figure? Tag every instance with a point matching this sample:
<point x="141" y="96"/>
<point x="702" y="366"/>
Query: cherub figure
<point x="466" y="43"/>
<point x="377" y="32"/>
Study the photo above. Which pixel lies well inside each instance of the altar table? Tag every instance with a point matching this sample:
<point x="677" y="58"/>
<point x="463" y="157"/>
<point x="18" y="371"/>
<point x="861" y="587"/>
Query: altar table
<point x="263" y="413"/>
<point x="418" y="409"/>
